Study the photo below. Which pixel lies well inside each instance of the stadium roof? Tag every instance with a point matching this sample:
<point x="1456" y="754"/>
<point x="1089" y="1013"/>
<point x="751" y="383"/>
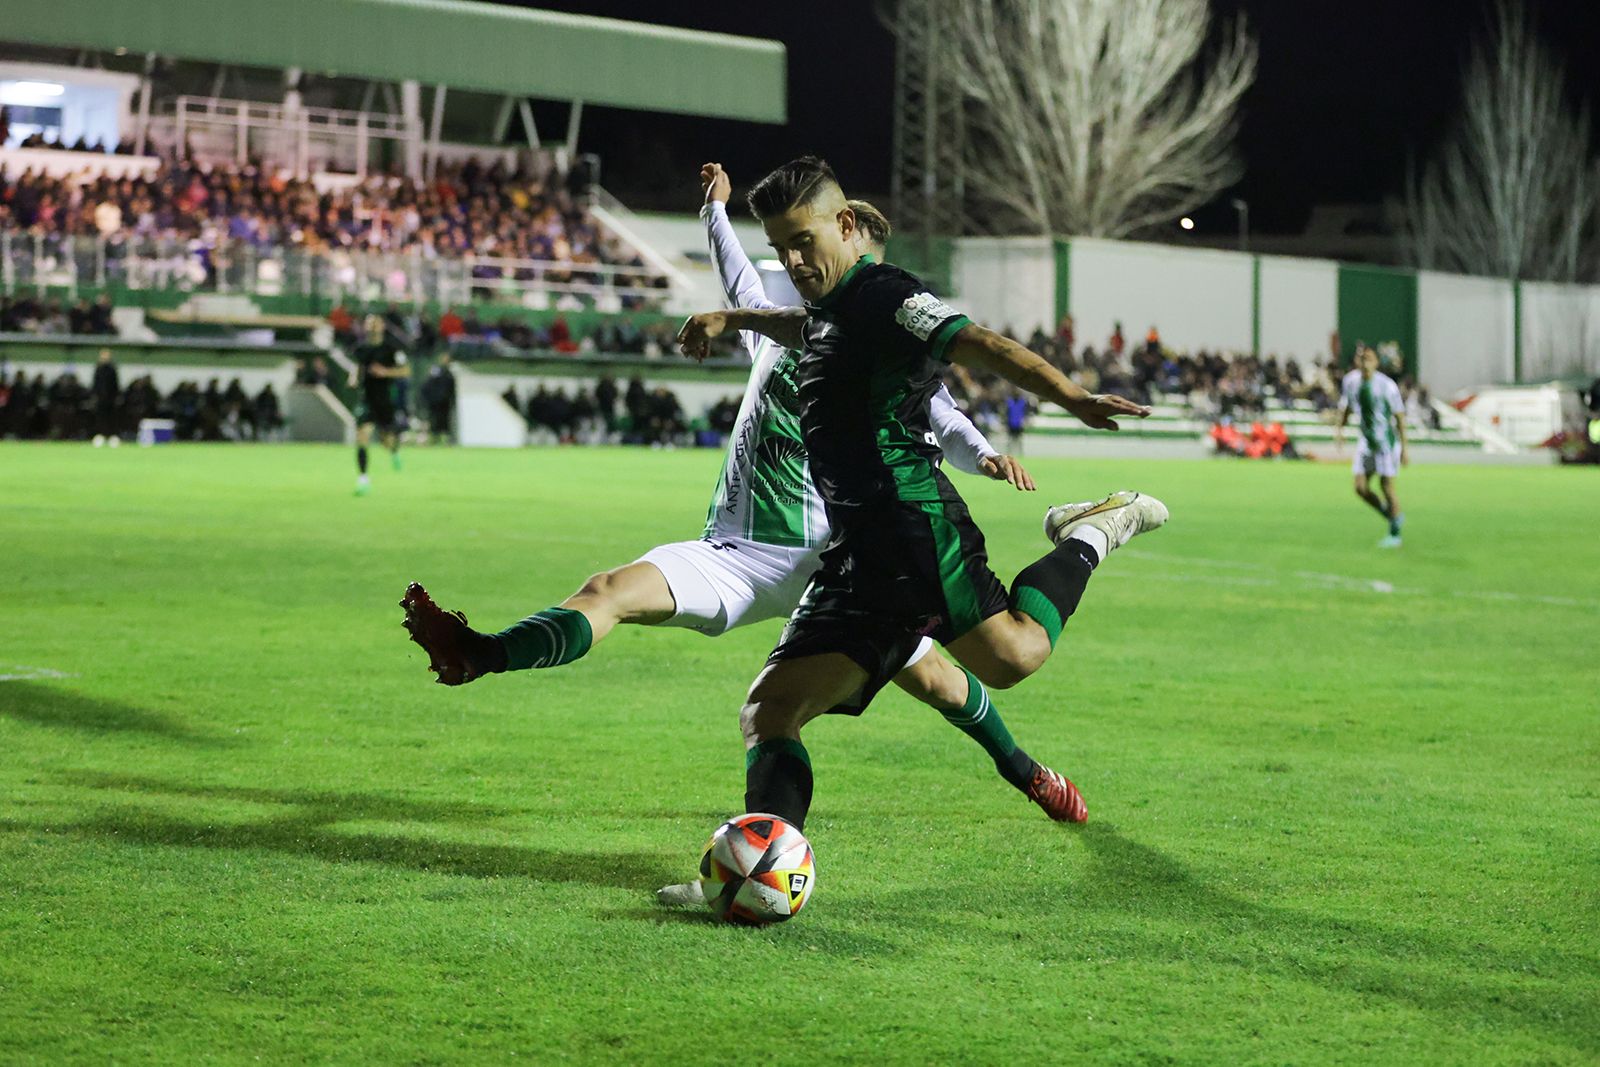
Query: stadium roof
<point x="456" y="43"/>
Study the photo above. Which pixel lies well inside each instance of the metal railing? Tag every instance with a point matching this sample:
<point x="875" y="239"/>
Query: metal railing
<point x="290" y="133"/>
<point x="30" y="261"/>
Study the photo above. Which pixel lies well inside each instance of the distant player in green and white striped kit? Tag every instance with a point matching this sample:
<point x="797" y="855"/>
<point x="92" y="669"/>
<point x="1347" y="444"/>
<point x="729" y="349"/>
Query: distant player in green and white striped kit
<point x="763" y="535"/>
<point x="1381" y="449"/>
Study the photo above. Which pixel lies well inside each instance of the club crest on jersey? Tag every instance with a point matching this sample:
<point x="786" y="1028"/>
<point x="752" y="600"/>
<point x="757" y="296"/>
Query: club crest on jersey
<point x="922" y="314"/>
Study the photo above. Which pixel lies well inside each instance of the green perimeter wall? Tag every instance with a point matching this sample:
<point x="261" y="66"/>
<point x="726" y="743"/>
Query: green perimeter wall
<point x="1199" y="298"/>
<point x="1377" y="305"/>
<point x="929" y="258"/>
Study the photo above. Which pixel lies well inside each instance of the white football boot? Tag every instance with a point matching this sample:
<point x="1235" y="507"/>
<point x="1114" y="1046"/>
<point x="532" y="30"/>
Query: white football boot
<point x="1122" y="516"/>
<point x="683" y="894"/>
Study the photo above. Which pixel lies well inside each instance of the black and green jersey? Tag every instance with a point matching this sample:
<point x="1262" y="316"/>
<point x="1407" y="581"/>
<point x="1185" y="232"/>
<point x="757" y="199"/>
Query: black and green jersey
<point x="873" y="352"/>
<point x="377" y="391"/>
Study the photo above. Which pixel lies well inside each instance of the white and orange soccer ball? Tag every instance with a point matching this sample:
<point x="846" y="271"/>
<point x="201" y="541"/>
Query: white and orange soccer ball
<point x="757" y="869"/>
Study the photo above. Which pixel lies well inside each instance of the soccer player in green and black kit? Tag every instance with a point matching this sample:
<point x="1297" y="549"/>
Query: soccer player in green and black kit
<point x="905" y="560"/>
<point x="764" y="531"/>
<point x="379" y="364"/>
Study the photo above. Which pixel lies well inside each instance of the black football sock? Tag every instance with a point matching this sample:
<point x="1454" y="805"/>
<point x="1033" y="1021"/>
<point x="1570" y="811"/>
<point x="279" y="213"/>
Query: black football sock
<point x="361" y="458"/>
<point x="777" y="780"/>
<point x="1048" y="591"/>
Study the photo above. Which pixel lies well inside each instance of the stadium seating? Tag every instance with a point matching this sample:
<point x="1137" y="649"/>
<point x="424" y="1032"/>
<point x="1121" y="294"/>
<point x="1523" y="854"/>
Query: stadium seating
<point x="473" y="231"/>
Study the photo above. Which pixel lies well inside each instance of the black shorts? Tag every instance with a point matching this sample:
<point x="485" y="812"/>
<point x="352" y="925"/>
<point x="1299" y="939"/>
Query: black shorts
<point x="908" y="571"/>
<point x="376" y="411"/>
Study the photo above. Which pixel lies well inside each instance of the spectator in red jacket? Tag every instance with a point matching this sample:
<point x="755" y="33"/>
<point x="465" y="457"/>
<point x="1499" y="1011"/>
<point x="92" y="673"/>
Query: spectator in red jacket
<point x="451" y="326"/>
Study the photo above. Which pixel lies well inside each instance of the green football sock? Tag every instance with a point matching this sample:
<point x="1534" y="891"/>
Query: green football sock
<point x="552" y="637"/>
<point x="980" y="720"/>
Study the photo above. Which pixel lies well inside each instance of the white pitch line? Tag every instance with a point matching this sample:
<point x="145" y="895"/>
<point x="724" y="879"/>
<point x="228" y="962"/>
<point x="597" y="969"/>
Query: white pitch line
<point x="29" y="674"/>
<point x="1264" y="575"/>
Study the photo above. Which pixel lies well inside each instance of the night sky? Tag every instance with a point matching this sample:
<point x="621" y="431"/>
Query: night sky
<point x="1347" y="92"/>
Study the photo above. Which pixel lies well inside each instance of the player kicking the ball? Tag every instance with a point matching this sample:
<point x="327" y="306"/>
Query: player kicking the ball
<point x="763" y="535"/>
<point x="1381" y="450"/>
<point x="905" y="561"/>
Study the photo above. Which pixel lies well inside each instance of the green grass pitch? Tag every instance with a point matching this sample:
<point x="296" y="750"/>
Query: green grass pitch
<point x="1344" y="803"/>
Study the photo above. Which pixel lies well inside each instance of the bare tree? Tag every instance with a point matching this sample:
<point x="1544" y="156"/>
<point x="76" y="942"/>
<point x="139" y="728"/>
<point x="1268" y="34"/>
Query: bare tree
<point x="1094" y="117"/>
<point x="1512" y="190"/>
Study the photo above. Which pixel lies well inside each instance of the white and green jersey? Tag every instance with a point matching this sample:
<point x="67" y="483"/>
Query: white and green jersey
<point x="765" y="492"/>
<point x="1373" y="402"/>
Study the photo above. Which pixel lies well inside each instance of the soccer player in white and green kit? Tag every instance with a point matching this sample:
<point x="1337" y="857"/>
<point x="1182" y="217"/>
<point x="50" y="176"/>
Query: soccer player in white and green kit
<point x="764" y="533"/>
<point x="1381" y="449"/>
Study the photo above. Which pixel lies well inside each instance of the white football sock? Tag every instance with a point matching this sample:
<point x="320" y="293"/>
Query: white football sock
<point x="1094" y="538"/>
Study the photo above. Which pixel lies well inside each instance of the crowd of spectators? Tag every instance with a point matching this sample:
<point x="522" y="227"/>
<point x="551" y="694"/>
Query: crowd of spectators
<point x="27" y="312"/>
<point x="124" y="147"/>
<point x="38" y="140"/>
<point x="68" y="409"/>
<point x="1210" y="385"/>
<point x="631" y="414"/>
<point x="206" y="215"/>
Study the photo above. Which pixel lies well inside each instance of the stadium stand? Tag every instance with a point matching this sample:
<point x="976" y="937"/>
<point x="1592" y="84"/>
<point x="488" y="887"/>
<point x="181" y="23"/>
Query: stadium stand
<point x="504" y="268"/>
<point x="70" y="409"/>
<point x="483" y="231"/>
<point x="1192" y="395"/>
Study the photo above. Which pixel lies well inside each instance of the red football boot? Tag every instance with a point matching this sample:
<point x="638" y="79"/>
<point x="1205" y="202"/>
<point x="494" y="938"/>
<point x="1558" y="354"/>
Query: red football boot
<point x="1056" y="794"/>
<point x="456" y="652"/>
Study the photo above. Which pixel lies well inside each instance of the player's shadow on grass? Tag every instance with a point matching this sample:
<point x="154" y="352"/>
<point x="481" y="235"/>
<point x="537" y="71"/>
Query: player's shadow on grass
<point x="1420" y="968"/>
<point x="308" y="827"/>
<point x="48" y="705"/>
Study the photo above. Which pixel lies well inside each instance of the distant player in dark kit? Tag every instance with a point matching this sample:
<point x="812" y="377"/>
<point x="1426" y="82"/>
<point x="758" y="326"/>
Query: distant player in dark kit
<point x="439" y="397"/>
<point x="107" y="389"/>
<point x="380" y="363"/>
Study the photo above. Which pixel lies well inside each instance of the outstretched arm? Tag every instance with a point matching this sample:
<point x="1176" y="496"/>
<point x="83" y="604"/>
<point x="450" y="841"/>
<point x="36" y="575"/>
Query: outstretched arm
<point x="783" y="325"/>
<point x="975" y="346"/>
<point x="741" y="285"/>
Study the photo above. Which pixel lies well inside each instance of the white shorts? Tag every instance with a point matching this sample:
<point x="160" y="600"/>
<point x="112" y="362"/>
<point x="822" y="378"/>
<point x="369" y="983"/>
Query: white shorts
<point x="733" y="582"/>
<point x="1385" y="462"/>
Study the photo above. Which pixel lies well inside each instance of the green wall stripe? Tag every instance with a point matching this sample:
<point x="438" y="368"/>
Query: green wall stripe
<point x="1255" y="305"/>
<point x="1516" y="330"/>
<point x="1063" y="255"/>
<point x="1377" y="305"/>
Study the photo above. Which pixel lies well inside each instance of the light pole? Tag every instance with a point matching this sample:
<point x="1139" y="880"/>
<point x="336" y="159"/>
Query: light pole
<point x="1244" y="223"/>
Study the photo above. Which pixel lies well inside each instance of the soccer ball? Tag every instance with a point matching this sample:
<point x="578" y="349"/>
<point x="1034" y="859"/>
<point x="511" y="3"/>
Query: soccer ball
<point x="757" y="869"/>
